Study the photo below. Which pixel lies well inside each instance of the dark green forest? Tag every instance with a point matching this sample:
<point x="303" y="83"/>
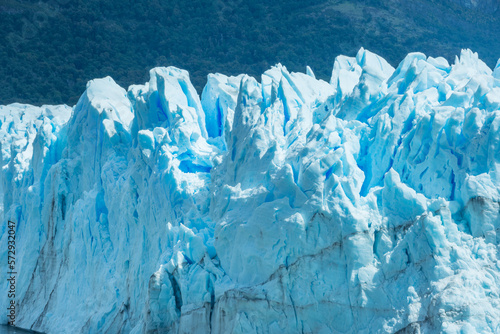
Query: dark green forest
<point x="49" y="49"/>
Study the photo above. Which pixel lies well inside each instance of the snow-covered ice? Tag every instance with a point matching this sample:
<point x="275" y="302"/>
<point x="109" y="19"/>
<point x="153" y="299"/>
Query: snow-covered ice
<point x="367" y="204"/>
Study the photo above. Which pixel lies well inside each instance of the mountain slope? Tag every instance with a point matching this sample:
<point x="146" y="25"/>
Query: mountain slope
<point x="50" y="50"/>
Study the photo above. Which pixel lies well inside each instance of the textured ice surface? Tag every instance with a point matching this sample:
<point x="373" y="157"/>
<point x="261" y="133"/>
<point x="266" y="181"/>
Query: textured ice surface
<point x="368" y="204"/>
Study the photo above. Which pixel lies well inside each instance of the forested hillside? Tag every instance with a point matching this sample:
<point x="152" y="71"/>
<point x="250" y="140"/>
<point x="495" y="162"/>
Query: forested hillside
<point x="50" y="49"/>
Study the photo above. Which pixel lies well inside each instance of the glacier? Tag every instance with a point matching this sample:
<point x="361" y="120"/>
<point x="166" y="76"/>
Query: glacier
<point x="367" y="204"/>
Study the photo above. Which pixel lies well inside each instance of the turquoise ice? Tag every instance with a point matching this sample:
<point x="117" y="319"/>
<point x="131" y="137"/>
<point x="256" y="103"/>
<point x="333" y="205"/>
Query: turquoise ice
<point x="367" y="204"/>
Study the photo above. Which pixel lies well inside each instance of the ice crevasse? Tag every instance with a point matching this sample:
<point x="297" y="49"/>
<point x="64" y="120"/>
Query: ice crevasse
<point x="369" y="204"/>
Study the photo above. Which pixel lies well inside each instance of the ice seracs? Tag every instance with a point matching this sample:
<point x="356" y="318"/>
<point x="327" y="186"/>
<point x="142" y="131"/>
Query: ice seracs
<point x="366" y="204"/>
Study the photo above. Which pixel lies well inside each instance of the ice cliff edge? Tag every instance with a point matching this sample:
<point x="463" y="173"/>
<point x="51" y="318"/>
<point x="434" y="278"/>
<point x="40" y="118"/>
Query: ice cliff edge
<point x="368" y="204"/>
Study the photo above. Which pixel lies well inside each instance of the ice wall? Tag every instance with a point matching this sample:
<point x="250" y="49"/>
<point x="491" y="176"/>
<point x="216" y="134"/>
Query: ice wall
<point x="291" y="205"/>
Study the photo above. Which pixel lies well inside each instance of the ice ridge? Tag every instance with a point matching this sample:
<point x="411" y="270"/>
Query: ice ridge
<point x="367" y="204"/>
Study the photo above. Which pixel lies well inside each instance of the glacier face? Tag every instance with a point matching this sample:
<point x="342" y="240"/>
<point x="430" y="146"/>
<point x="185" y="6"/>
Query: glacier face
<point x="367" y="204"/>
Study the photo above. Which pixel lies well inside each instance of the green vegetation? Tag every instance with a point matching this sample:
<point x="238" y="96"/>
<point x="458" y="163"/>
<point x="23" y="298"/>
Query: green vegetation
<point x="50" y="49"/>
